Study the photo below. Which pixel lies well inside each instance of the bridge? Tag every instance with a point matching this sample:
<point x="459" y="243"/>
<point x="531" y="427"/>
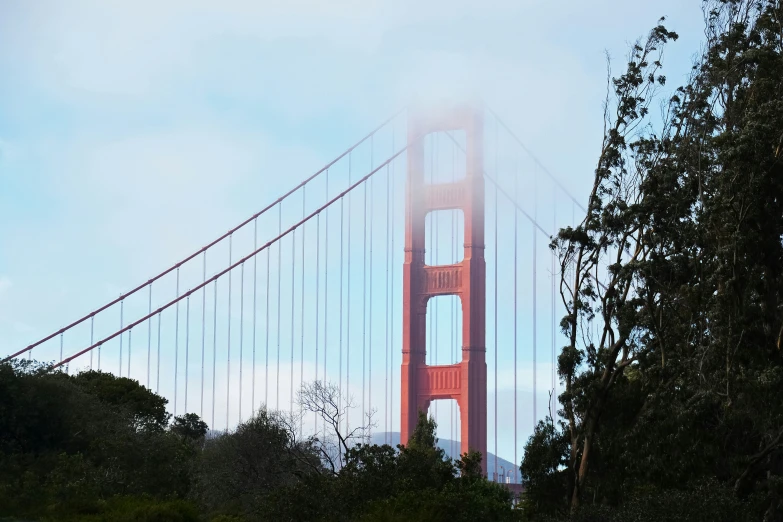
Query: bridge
<point x="412" y="271"/>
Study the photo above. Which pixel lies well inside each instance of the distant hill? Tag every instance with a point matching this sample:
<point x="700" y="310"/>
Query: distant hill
<point x="447" y="445"/>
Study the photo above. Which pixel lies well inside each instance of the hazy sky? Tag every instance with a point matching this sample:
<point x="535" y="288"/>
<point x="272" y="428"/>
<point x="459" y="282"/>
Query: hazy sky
<point x="132" y="133"/>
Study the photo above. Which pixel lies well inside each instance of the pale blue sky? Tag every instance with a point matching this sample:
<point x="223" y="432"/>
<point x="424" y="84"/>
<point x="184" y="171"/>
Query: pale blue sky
<point x="132" y="133"/>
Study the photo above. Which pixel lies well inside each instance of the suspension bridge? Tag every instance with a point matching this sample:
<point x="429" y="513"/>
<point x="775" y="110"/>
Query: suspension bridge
<point x="412" y="271"/>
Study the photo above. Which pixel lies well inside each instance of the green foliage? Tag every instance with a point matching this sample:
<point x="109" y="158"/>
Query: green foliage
<point x="147" y="409"/>
<point x="413" y="482"/>
<point x="68" y="444"/>
<point x="544" y="469"/>
<point x="93" y="447"/>
<point x="189" y="427"/>
<point x="680" y="386"/>
<point x="235" y="472"/>
<point x="133" y="509"/>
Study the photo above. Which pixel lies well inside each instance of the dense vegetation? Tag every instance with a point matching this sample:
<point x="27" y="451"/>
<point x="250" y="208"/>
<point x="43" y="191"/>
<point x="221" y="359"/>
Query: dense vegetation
<point x="671" y="406"/>
<point x="673" y="283"/>
<point x="96" y="447"/>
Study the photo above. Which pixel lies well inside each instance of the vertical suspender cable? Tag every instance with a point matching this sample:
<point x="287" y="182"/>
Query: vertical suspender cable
<point x="279" y="312"/>
<point x="452" y="418"/>
<point x="535" y="278"/>
<point x="187" y="350"/>
<point x="326" y="274"/>
<point x="99" y="357"/>
<point x="429" y="235"/>
<point x="61" y="351"/>
<point x="241" y="331"/>
<point x="255" y="307"/>
<point x="554" y="334"/>
<point x="291" y="369"/>
<point x="122" y="305"/>
<point x="203" y="332"/>
<point x="317" y="299"/>
<point x="391" y="299"/>
<point x="516" y="291"/>
<point x="92" y="331"/>
<point x="129" y="351"/>
<point x="176" y="347"/>
<point x="348" y="304"/>
<point x="386" y="334"/>
<point x="228" y="340"/>
<point x="157" y="366"/>
<point x="496" y="317"/>
<point x="370" y="344"/>
<point x="149" y="337"/>
<point x="214" y="353"/>
<point x="266" y="356"/>
<point x="436" y="245"/>
<point x="301" y="334"/>
<point x="364" y="301"/>
<point x="554" y="358"/>
<point x="340" y="339"/>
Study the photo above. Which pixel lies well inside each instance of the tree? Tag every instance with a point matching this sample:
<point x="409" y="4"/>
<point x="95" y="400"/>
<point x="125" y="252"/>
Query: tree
<point x="676" y="389"/>
<point x="236" y="471"/>
<point x="327" y="403"/>
<point x="67" y="444"/>
<point x="189" y="427"/>
<point x="612" y="233"/>
<point x="147" y="408"/>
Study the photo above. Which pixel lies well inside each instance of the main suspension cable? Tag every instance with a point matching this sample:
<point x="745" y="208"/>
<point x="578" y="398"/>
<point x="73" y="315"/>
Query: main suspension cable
<point x="266" y="246"/>
<point x="535" y="159"/>
<point x="208" y="246"/>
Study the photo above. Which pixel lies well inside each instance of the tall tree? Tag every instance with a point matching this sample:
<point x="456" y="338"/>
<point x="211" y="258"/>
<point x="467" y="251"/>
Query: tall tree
<point x="678" y="268"/>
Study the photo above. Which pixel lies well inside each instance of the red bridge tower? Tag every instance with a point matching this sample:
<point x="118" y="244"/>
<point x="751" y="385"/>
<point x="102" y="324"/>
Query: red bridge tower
<point x="466" y="381"/>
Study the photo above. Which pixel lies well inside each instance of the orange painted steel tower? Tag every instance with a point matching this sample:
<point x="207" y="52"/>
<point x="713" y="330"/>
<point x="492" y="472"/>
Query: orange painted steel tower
<point x="465" y="381"/>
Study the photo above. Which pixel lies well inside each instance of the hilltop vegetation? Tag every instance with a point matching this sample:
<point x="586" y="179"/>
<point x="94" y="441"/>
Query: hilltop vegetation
<point x="95" y="447"/>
